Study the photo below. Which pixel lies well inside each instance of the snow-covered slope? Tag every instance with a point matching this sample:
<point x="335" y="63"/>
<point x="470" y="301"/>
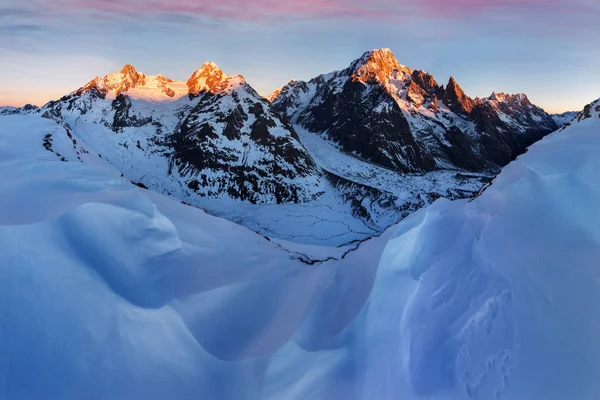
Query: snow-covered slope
<point x="499" y="296"/>
<point x="108" y="290"/>
<point x="111" y="291"/>
<point x="402" y="119"/>
<point x="383" y="195"/>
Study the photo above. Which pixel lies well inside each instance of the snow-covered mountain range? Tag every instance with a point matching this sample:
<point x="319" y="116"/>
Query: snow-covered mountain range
<point x="214" y="135"/>
<point x="359" y="148"/>
<point x="402" y="119"/>
<point x="109" y="290"/>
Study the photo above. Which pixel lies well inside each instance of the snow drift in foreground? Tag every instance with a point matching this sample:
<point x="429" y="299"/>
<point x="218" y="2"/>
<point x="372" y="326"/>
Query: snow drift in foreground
<point x="111" y="291"/>
<point x="498" y="298"/>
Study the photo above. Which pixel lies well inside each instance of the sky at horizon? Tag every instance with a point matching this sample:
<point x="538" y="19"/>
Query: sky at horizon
<point x="547" y="49"/>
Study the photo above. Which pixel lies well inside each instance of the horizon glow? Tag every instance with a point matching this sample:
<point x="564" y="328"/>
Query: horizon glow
<point x="543" y="48"/>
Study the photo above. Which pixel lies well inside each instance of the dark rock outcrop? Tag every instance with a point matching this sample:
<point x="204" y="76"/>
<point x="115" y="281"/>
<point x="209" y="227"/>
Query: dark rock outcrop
<point x="456" y="99"/>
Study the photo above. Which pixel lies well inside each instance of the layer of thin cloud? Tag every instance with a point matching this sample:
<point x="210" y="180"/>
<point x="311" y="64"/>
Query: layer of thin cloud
<point x="257" y="10"/>
<point x="454" y="8"/>
<point x="232" y="9"/>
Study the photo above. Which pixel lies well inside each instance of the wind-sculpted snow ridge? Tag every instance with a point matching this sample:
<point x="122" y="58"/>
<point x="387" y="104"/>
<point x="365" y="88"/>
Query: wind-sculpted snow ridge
<point x="498" y="298"/>
<point x="112" y="291"/>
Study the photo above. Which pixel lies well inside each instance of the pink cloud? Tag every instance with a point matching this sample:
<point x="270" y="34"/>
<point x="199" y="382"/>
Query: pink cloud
<point x="273" y="10"/>
<point x="453" y="8"/>
<point x="231" y="9"/>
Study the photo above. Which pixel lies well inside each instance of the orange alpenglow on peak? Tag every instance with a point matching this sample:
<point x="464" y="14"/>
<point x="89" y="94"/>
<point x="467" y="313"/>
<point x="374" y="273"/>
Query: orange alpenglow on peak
<point x="425" y="80"/>
<point x="379" y="65"/>
<point x="274" y="95"/>
<point x="118" y="82"/>
<point x="456" y="99"/>
<point x="131" y="75"/>
<point x="208" y="78"/>
<point x="128" y="69"/>
<point x="505" y="97"/>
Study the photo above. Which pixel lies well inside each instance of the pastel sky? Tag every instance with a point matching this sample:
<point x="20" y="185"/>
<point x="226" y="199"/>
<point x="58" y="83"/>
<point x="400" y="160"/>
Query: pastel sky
<point x="548" y="49"/>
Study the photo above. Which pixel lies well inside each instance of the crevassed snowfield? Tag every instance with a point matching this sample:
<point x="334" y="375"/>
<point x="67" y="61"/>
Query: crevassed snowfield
<point x="111" y="291"/>
<point x="404" y="186"/>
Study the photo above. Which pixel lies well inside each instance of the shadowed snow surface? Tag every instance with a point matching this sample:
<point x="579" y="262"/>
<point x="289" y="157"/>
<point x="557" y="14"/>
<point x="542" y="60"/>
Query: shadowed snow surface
<point x="111" y="291"/>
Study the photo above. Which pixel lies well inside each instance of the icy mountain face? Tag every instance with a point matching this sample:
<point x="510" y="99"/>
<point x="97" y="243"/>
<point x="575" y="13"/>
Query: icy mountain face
<point x="564" y="118"/>
<point x="402" y="119"/>
<point x="212" y="136"/>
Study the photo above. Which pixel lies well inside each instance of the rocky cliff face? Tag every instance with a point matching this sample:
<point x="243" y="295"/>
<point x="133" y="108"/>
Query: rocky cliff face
<point x="456" y="99"/>
<point x="402" y="119"/>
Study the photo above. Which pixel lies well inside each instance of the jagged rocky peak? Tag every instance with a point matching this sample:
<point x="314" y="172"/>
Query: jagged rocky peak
<point x="425" y="80"/>
<point x="127" y="78"/>
<point x="519" y="98"/>
<point x="416" y="94"/>
<point x="402" y="119"/>
<point x="164" y="79"/>
<point x="236" y="82"/>
<point x="277" y="92"/>
<point x="377" y="66"/>
<point x="274" y="94"/>
<point x="456" y="99"/>
<point x="519" y="105"/>
<point x="130" y="75"/>
<point x="208" y="78"/>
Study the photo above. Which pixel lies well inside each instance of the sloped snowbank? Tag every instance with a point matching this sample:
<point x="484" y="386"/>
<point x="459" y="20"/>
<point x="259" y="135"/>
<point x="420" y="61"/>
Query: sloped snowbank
<point x="111" y="291"/>
<point x="499" y="297"/>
